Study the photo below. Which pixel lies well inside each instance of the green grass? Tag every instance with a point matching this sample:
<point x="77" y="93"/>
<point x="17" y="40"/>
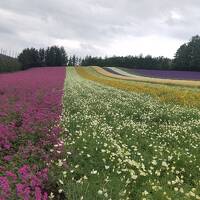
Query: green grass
<point x="123" y="145"/>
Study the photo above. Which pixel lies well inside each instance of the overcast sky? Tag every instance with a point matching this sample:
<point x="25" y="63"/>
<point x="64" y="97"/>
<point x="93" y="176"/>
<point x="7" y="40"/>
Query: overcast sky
<point x="100" y="27"/>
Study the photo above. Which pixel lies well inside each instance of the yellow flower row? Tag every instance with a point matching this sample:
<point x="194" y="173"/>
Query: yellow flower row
<point x="163" y="93"/>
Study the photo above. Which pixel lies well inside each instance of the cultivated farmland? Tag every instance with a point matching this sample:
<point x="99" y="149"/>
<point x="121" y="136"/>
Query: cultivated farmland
<point x="30" y="106"/>
<point x="128" y="144"/>
<point x="182" y="75"/>
<point x="94" y="134"/>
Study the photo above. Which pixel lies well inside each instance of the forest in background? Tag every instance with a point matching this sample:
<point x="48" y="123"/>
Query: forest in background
<point x="186" y="58"/>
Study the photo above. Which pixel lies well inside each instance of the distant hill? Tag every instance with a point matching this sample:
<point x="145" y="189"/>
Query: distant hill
<point x="2" y="56"/>
<point x="9" y="64"/>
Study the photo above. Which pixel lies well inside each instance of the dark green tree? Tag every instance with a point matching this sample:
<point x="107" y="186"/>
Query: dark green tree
<point x="42" y="57"/>
<point x="70" y="62"/>
<point x="29" y="58"/>
<point x="56" y="56"/>
<point x="194" y="53"/>
<point x="187" y="56"/>
<point x="182" y="58"/>
<point x="52" y="56"/>
<point x="147" y="62"/>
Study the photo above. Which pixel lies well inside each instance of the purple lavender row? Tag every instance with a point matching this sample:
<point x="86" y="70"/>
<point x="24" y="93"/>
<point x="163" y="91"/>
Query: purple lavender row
<point x="166" y="74"/>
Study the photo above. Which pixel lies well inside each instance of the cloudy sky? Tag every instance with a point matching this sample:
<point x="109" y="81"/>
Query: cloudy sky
<point x="100" y="27"/>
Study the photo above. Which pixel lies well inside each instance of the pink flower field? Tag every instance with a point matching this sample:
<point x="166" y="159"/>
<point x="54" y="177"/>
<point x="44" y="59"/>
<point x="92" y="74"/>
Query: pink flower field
<point x="30" y="106"/>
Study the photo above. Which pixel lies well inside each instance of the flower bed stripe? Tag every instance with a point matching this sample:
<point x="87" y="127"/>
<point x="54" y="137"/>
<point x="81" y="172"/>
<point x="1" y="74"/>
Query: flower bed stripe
<point x="164" y="94"/>
<point x="30" y="109"/>
<point x="148" y="79"/>
<point x="124" y="145"/>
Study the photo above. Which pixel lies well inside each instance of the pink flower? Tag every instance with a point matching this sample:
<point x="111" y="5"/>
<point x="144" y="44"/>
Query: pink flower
<point x="24" y="172"/>
<point x="20" y="189"/>
<point x="4" y="185"/>
<point x="12" y="175"/>
<point x="27" y="192"/>
<point x="30" y="105"/>
<point x="35" y="181"/>
<point x="23" y="191"/>
<point x="45" y="197"/>
<point x="7" y="158"/>
<point x="38" y="194"/>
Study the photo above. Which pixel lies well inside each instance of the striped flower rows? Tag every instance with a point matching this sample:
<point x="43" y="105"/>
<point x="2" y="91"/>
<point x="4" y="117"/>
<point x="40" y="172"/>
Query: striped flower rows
<point x="178" y="95"/>
<point x="123" y="145"/>
<point x="127" y="76"/>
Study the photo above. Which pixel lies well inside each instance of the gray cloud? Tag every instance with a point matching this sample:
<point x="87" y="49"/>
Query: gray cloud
<point x="100" y="27"/>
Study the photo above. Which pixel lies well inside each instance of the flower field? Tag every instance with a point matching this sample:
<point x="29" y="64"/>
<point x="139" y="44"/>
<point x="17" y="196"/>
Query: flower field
<point x="30" y="106"/>
<point x="85" y="135"/>
<point x="121" y="74"/>
<point x="181" y="75"/>
<point x="126" y="145"/>
<point x="179" y="95"/>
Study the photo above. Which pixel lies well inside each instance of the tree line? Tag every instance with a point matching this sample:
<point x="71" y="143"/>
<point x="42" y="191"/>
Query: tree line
<point x="32" y="57"/>
<point x="187" y="57"/>
<point x="147" y="62"/>
<point x="51" y="56"/>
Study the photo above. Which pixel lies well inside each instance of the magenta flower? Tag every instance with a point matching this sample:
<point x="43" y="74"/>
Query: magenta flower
<point x="7" y="158"/>
<point x="20" y="188"/>
<point x="24" y="172"/>
<point x="4" y="187"/>
<point x="30" y="106"/>
<point x="38" y="194"/>
<point x="11" y="175"/>
<point x="35" y="181"/>
<point x="23" y="191"/>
